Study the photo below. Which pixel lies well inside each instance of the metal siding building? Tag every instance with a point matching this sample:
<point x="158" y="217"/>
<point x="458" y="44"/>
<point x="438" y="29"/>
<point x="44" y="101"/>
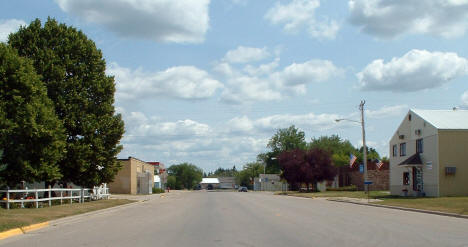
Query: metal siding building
<point x="429" y="154"/>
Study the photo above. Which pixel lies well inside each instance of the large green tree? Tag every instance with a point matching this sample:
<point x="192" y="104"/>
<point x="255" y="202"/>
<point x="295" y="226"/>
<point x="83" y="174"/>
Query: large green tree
<point x="186" y="175"/>
<point x="73" y="71"/>
<point x="32" y="138"/>
<point x="339" y="149"/>
<point x="248" y="173"/>
<point x="286" y="139"/>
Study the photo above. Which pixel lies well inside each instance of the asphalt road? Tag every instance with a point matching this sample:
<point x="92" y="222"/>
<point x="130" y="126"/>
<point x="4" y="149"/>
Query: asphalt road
<point x="248" y="219"/>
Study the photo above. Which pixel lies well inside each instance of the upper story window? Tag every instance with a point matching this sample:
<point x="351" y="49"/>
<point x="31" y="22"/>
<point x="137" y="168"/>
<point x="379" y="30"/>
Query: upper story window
<point x="419" y="146"/>
<point x="394" y="150"/>
<point x="403" y="149"/>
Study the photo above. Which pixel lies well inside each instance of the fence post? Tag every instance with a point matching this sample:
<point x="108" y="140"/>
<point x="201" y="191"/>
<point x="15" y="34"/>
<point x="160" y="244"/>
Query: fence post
<point x="8" y="198"/>
<point x="36" y="197"/>
<point x="50" y="196"/>
<point x="81" y="195"/>
<point x="71" y="196"/>
<point x="61" y="197"/>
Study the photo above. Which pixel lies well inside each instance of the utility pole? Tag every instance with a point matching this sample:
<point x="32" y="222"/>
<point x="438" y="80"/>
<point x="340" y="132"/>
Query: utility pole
<point x="361" y="107"/>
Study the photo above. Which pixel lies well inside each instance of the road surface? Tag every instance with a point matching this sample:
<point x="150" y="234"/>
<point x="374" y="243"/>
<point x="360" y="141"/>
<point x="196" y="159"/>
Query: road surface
<point x="248" y="219"/>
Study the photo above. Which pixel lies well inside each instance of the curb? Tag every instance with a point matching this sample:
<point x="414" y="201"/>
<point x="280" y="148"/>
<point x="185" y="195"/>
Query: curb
<point x="404" y="209"/>
<point x="33" y="227"/>
<point x="22" y="230"/>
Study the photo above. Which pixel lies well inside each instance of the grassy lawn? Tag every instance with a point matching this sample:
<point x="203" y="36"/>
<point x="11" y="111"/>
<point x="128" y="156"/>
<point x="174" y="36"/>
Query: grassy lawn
<point x="457" y="205"/>
<point x="14" y="218"/>
<point x="350" y="194"/>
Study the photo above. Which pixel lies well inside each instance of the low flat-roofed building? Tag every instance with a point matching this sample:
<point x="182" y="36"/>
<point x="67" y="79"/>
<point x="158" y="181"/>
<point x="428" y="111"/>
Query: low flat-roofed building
<point x="135" y="177"/>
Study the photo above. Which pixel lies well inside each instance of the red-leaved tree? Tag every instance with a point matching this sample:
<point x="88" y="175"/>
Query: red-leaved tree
<point x="306" y="167"/>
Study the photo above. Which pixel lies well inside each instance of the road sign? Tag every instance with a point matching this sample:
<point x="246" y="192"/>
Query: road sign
<point x="361" y="168"/>
<point x="367" y="182"/>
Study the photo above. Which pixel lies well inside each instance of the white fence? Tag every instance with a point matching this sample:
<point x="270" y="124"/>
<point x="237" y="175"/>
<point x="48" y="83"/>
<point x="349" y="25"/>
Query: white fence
<point x="63" y="194"/>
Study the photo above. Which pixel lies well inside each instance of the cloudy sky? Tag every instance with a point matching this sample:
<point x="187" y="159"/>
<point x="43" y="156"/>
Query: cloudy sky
<point x="209" y="82"/>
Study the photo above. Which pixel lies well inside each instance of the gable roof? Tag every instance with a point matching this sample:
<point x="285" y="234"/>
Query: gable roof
<point x="445" y="119"/>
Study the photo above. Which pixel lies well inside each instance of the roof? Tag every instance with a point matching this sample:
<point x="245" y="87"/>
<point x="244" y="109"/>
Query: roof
<point x="445" y="119"/>
<point x="413" y="160"/>
<point x="210" y="181"/>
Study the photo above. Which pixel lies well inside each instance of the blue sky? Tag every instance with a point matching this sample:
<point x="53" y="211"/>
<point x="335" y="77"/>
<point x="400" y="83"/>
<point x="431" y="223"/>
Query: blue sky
<point x="209" y="82"/>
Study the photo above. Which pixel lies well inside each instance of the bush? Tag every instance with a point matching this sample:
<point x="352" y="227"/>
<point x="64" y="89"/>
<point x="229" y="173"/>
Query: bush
<point x="345" y="188"/>
<point x="158" y="191"/>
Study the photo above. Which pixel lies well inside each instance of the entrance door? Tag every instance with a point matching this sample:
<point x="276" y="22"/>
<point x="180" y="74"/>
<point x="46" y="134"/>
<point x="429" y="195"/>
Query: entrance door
<point x="417" y="179"/>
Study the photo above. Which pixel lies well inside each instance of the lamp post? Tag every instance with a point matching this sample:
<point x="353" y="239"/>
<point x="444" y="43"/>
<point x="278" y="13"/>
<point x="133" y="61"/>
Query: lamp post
<point x="364" y="147"/>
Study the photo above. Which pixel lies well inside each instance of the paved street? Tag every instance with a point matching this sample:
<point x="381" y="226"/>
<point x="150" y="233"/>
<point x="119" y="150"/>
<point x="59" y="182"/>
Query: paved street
<point x="248" y="219"/>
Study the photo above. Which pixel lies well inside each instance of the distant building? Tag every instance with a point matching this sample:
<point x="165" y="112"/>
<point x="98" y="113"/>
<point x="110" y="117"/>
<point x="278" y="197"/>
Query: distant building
<point x="269" y="182"/>
<point x="209" y="183"/>
<point x="161" y="173"/>
<point x="135" y="177"/>
<point x="429" y="154"/>
<point x="227" y="182"/>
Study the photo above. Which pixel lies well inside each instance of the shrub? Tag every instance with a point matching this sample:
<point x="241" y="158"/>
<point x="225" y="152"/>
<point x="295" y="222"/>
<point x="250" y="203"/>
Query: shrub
<point x="345" y="188"/>
<point x="158" y="191"/>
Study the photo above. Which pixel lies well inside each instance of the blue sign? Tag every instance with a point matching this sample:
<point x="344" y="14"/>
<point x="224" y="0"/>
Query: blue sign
<point x="367" y="182"/>
<point x="361" y="168"/>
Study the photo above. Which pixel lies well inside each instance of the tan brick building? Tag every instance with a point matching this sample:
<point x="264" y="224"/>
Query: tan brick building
<point x="135" y="177"/>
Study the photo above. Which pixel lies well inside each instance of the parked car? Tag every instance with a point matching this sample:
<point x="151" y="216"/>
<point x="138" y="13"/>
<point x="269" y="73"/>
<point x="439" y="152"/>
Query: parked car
<point x="243" y="189"/>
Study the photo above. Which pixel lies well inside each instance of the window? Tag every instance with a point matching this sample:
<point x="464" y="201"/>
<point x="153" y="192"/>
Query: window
<point x="395" y="150"/>
<point x="419" y="146"/>
<point x="403" y="149"/>
<point x="405" y="178"/>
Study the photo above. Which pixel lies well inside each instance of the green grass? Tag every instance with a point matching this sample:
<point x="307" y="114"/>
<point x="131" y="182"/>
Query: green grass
<point x="457" y="205"/>
<point x="350" y="194"/>
<point x="14" y="218"/>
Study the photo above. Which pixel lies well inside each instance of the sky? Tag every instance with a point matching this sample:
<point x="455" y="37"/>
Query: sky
<point x="210" y="82"/>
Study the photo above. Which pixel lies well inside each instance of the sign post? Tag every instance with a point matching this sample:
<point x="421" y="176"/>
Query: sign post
<point x="367" y="183"/>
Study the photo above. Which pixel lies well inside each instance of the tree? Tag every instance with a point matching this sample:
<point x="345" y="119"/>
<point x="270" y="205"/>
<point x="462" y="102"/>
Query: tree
<point x="306" y="167"/>
<point x="287" y="139"/>
<point x="172" y="183"/>
<point x="339" y="149"/>
<point x="250" y="171"/>
<point x="73" y="71"/>
<point x="283" y="140"/>
<point x="32" y="138"/>
<point x="186" y="175"/>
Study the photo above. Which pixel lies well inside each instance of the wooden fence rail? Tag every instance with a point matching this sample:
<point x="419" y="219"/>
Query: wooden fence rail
<point x="34" y="195"/>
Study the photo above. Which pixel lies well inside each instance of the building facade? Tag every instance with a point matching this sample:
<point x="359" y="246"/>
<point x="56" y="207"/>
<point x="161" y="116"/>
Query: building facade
<point x="135" y="177"/>
<point x="429" y="154"/>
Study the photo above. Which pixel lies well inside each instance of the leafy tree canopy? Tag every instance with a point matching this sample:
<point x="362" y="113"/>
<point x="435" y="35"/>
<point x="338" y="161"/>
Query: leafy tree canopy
<point x="186" y="175"/>
<point x="339" y="149"/>
<point x="250" y="171"/>
<point x="306" y="167"/>
<point x="32" y="138"/>
<point x="73" y="71"/>
<point x="287" y="139"/>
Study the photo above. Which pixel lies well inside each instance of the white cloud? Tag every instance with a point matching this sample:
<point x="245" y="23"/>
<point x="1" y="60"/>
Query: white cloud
<point x="269" y="124"/>
<point x="300" y="14"/>
<point x="387" y="111"/>
<point x="182" y="82"/>
<point x="389" y="19"/>
<point x="187" y="140"/>
<point x="9" y="26"/>
<point x="181" y="21"/>
<point x="416" y="70"/>
<point x="464" y="99"/>
<point x="246" y="54"/>
<point x="264" y="82"/>
<point x="313" y="70"/>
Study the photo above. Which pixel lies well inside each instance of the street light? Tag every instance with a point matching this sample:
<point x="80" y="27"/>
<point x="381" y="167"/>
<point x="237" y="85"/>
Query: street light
<point x="361" y="107"/>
